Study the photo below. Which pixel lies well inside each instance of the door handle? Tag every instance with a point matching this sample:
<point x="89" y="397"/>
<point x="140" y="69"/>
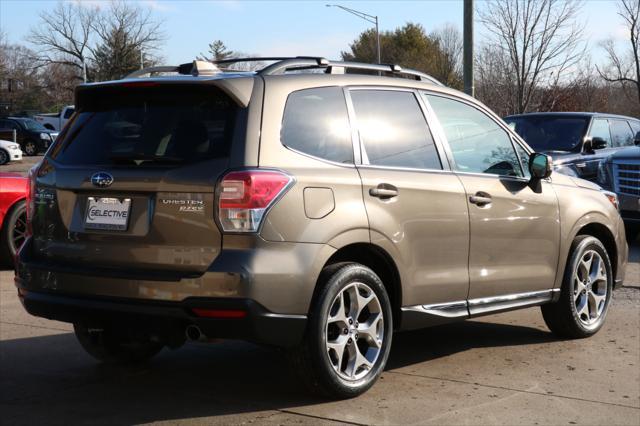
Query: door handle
<point x="480" y="199"/>
<point x="384" y="191"/>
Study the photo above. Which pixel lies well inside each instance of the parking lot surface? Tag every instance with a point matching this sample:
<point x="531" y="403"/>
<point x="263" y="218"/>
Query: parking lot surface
<point x="502" y="369"/>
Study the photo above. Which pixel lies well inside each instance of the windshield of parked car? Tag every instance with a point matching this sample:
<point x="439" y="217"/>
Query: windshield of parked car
<point x="33" y="125"/>
<point x="550" y="132"/>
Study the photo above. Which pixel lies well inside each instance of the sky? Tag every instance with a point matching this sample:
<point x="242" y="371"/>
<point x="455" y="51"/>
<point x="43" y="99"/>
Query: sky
<point x="292" y="28"/>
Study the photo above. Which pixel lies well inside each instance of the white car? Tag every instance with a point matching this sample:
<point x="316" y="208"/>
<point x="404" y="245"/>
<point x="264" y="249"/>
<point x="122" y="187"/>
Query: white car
<point x="9" y="151"/>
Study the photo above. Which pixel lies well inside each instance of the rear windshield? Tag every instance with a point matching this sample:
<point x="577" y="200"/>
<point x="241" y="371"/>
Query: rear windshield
<point x="550" y="133"/>
<point x="148" y="126"/>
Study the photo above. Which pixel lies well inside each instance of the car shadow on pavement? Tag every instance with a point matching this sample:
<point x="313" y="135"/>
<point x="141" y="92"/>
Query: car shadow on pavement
<point x="198" y="380"/>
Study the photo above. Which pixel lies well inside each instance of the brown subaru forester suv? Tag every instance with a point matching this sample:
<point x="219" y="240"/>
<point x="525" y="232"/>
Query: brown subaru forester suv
<point x="315" y="206"/>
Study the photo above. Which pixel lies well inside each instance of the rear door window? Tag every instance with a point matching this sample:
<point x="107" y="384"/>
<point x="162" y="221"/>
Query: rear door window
<point x="154" y="125"/>
<point x="621" y="133"/>
<point x="600" y="129"/>
<point x="393" y="130"/>
<point x="316" y="122"/>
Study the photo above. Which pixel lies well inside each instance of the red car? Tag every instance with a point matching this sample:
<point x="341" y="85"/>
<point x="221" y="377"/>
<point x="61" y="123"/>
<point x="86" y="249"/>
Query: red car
<point x="13" y="220"/>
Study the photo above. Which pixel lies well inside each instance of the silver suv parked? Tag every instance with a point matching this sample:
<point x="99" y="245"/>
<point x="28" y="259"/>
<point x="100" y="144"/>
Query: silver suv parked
<point x="314" y="205"/>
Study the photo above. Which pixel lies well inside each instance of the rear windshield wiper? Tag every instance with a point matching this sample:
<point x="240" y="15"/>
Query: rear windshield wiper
<point x="141" y="158"/>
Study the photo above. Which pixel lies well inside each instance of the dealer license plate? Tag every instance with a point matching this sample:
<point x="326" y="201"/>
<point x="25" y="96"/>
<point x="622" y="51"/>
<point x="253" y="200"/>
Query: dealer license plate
<point x="107" y="213"/>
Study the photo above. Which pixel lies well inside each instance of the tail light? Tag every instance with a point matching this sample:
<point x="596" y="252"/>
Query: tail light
<point x="245" y="196"/>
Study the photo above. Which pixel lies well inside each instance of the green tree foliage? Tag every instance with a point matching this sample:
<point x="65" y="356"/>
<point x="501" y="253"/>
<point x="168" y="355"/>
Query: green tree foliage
<point x="115" y="57"/>
<point x="409" y="46"/>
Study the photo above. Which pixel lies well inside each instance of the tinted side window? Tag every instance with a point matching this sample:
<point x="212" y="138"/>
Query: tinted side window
<point x="478" y="143"/>
<point x="600" y="129"/>
<point x="68" y="113"/>
<point x="393" y="130"/>
<point x="316" y="123"/>
<point x="635" y="126"/>
<point x="621" y="133"/>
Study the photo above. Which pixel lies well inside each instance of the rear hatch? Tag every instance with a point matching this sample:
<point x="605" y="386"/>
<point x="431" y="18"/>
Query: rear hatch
<point x="129" y="185"/>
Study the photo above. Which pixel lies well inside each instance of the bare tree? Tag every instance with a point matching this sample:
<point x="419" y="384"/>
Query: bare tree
<point x="64" y="35"/>
<point x="625" y="68"/>
<point x="449" y="62"/>
<point x="542" y="39"/>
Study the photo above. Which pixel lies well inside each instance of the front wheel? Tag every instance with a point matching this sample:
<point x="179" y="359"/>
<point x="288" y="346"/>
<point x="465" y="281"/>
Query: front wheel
<point x="30" y="148"/>
<point x="349" y="333"/>
<point x="586" y="291"/>
<point x="113" y="347"/>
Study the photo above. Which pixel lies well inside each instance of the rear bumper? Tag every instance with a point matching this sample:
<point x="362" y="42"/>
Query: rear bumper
<point x="272" y="283"/>
<point x="169" y="320"/>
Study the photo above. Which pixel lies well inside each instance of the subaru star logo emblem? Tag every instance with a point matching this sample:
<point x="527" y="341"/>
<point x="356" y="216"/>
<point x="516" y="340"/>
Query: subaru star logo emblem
<point x="102" y="179"/>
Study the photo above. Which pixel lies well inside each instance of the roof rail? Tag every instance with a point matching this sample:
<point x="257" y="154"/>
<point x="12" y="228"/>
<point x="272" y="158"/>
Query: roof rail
<point x="282" y="64"/>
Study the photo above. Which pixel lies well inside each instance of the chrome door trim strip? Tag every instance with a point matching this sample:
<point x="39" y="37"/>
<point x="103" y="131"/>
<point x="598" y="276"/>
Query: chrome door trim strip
<point x="484" y="305"/>
<point x="447" y="310"/>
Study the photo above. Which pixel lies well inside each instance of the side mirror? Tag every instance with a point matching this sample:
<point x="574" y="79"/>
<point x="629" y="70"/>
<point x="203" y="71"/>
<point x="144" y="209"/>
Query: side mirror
<point x="636" y="139"/>
<point x="591" y="144"/>
<point x="540" y="166"/>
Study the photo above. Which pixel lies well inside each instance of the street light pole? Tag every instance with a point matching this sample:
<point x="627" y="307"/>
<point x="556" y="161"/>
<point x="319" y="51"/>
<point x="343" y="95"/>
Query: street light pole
<point x="369" y="18"/>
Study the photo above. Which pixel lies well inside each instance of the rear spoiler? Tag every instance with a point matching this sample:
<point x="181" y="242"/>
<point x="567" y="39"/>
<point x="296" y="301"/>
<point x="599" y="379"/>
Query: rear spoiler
<point x="238" y="88"/>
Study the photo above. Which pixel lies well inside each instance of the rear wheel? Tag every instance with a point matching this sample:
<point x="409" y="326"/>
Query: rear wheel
<point x="586" y="291"/>
<point x="14" y="231"/>
<point x="110" y="346"/>
<point x="349" y="333"/>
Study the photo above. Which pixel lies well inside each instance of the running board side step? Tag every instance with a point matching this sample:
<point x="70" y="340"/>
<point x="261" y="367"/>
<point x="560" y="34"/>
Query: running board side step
<point x="419" y="316"/>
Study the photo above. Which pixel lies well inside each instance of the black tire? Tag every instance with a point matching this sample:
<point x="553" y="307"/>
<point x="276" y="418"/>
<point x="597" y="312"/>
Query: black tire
<point x="15" y="221"/>
<point x="632" y="230"/>
<point x="562" y="317"/>
<point x="311" y="360"/>
<point x="30" y="148"/>
<point x="108" y="346"/>
<point x="4" y="157"/>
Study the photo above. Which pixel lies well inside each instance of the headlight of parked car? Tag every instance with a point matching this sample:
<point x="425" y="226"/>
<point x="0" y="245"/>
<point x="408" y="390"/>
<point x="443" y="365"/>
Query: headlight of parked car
<point x="14" y="146"/>
<point x="45" y="136"/>
<point x="612" y="197"/>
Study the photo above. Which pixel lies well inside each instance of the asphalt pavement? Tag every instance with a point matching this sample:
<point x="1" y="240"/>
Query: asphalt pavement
<point x="502" y="369"/>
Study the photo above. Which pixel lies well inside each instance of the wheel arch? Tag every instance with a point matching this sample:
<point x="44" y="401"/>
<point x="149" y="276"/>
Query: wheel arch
<point x="606" y="237"/>
<point x="379" y="261"/>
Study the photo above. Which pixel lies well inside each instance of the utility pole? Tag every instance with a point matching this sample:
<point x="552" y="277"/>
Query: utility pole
<point x="369" y="18"/>
<point x="84" y="70"/>
<point x="469" y="87"/>
<point x="141" y="59"/>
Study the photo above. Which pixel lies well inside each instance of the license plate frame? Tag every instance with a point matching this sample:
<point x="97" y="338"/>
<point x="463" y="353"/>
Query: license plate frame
<point x="107" y="213"/>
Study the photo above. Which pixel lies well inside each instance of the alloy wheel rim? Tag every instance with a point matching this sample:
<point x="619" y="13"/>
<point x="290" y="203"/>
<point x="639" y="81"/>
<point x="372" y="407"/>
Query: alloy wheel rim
<point x="590" y="288"/>
<point x="354" y="331"/>
<point x="19" y="232"/>
<point x="30" y="148"/>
